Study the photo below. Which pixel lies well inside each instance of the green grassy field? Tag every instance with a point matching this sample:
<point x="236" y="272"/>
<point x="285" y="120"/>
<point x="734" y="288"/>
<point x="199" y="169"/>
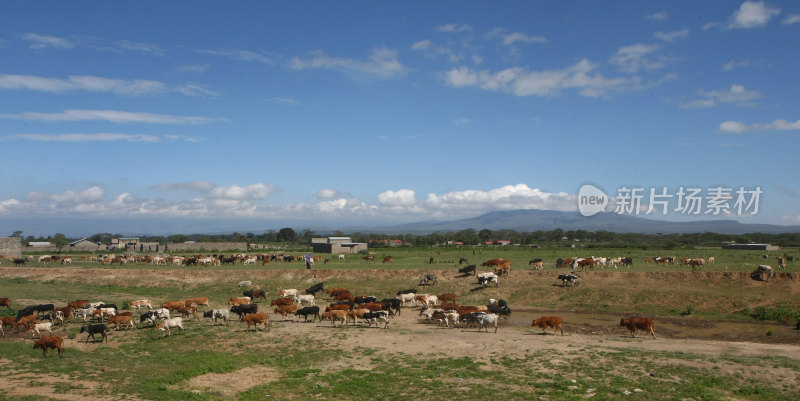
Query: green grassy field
<point x="415" y="361"/>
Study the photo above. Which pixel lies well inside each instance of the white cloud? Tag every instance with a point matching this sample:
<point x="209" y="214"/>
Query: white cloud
<point x="114" y="116"/>
<point x="330" y="193"/>
<point x="508" y="39"/>
<point x="730" y="65"/>
<point x="126" y="45"/>
<point x="736" y="127"/>
<point x="659" y="16"/>
<point x="520" y="82"/>
<point x="635" y="57"/>
<point x="382" y="63"/>
<point x="752" y="14"/>
<point x="100" y="137"/>
<point x="429" y="49"/>
<point x="194" y="68"/>
<point x="711" y="25"/>
<point x="85" y="83"/>
<point x="91" y="195"/>
<point x="195" y="89"/>
<point x="286" y="101"/>
<point x="509" y="197"/>
<point x="256" y="191"/>
<point x="38" y="42"/>
<point x="791" y="19"/>
<point x="737" y="94"/>
<point x="402" y="197"/>
<point x="672" y="36"/>
<point x="462" y="122"/>
<point x="8" y="205"/>
<point x="243" y="55"/>
<point x="422" y="45"/>
<point x="453" y="28"/>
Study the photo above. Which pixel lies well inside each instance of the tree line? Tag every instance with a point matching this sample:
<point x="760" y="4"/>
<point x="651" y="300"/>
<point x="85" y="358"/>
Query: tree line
<point x="557" y="237"/>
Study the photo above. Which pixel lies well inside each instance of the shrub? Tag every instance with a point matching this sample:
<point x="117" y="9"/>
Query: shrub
<point x="778" y="313"/>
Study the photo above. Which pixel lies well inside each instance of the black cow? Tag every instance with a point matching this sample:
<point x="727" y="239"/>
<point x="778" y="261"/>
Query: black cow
<point x="571" y="278"/>
<point x="226" y="261"/>
<point x="308" y="310"/>
<point x="27" y="311"/>
<point x="429" y="279"/>
<point x="244" y="309"/>
<point x="394" y="305"/>
<point x="365" y="300"/>
<point x="627" y="261"/>
<point x="314" y="289"/>
<point x="373" y="317"/>
<point x="559" y="262"/>
<point x="93" y="329"/>
<point x="500" y="310"/>
<point x="467" y="271"/>
<point x="19" y="262"/>
<point x="472" y="318"/>
<point x="150" y="316"/>
<point x="255" y="293"/>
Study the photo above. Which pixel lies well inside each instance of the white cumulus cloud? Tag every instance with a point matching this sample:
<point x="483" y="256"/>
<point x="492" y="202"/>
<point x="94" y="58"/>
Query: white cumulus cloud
<point x="752" y="14"/>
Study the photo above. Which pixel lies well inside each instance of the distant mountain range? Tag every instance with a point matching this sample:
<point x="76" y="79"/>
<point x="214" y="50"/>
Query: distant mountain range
<point x="518" y="220"/>
<point x="546" y="220"/>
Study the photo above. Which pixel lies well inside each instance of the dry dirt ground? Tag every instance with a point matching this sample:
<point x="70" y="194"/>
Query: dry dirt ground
<point x="407" y="334"/>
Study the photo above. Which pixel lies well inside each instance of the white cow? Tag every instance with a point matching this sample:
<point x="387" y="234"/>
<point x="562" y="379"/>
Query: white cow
<point x="46" y="326"/>
<point x="406" y="298"/>
<point x="170" y="323"/>
<point x="299" y="299"/>
<point x="487" y="319"/>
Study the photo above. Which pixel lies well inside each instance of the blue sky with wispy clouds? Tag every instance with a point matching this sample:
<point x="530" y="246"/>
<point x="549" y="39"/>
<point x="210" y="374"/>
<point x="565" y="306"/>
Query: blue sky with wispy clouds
<point x="365" y="112"/>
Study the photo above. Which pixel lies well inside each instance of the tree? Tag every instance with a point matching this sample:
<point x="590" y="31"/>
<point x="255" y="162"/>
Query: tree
<point x="60" y="241"/>
<point x="286" y="234"/>
<point x="485" y="234"/>
<point x="17" y="233"/>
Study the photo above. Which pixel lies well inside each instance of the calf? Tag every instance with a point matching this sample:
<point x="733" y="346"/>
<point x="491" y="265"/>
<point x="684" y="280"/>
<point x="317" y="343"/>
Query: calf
<point x="314" y="289"/>
<point x="374" y="317"/>
<point x="93" y="329"/>
<point x="255" y="319"/>
<point x="140" y="303"/>
<point x="288" y="293"/>
<point x="242" y="310"/>
<point x="239" y="301"/>
<point x="167" y="324"/>
<point x="5" y="302"/>
<point x="300" y="299"/>
<point x="215" y="314"/>
<point x="50" y="342"/>
<point x="568" y="278"/>
<point x="151" y="317"/>
<point x="638" y="323"/>
<point x="189" y="310"/>
<point x="488" y="319"/>
<point x="282" y="302"/>
<point x="308" y="310"/>
<point x="83" y="313"/>
<point x="407" y="297"/>
<point x="549" y="321"/>
<point x="37" y="327"/>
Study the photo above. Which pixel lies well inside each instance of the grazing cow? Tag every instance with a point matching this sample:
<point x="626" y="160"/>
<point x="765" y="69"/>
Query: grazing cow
<point x="5" y="302"/>
<point x="485" y="278"/>
<point x="789" y="258"/>
<point x="697" y="263"/>
<point x="569" y="278"/>
<point x="282" y="301"/>
<point x="37" y="327"/>
<point x="374" y="317"/>
<point x="583" y="263"/>
<point x="711" y="260"/>
<point x="215" y="314"/>
<point x="255" y="293"/>
<point x="388" y="259"/>
<point x="341" y="257"/>
<point x="429" y="279"/>
<point x="7" y="321"/>
<point x="638" y="323"/>
<point x="239" y="301"/>
<point x="300" y="299"/>
<point x="549" y="321"/>
<point x="463" y="259"/>
<point x="286" y="310"/>
<point x="503" y="268"/>
<point x="314" y="289"/>
<point x="19" y="262"/>
<point x="492" y="262"/>
<point x="245" y="283"/>
<point x="152" y="316"/>
<point x="120" y="321"/>
<point x="242" y="310"/>
<point x="50" y="342"/>
<point x="782" y="263"/>
<point x="392" y="305"/>
<point x="141" y="303"/>
<point x="189" y="310"/>
<point x="763" y="273"/>
<point x="467" y="270"/>
<point x="93" y="329"/>
<point x="255" y="319"/>
<point x="288" y="293"/>
<point x="308" y="310"/>
<point x="334" y="315"/>
<point x="344" y="307"/>
<point x="488" y="319"/>
<point x="537" y="264"/>
<point x="369" y="258"/>
<point x="167" y="324"/>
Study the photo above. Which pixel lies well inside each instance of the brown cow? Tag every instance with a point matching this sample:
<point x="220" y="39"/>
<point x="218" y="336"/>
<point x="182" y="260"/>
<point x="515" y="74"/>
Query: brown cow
<point x="449" y="297"/>
<point x="79" y="304"/>
<point x="66" y="310"/>
<point x="448" y="306"/>
<point x="638" y="323"/>
<point x="200" y="301"/>
<point x="330" y="291"/>
<point x="388" y="259"/>
<point x="172" y="306"/>
<point x="492" y="262"/>
<point x="50" y="342"/>
<point x="25" y="321"/>
<point x="254" y="319"/>
<point x="5" y="302"/>
<point x="335" y="315"/>
<point x="9" y="322"/>
<point x="185" y="311"/>
<point x="286" y="310"/>
<point x="239" y="301"/>
<point x="120" y="320"/>
<point x="549" y="321"/>
<point x="369" y="258"/>
<point x="503" y="268"/>
<point x="282" y="302"/>
<point x="344" y="307"/>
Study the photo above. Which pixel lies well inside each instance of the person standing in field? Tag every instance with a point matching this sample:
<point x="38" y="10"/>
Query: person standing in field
<point x="308" y="261"/>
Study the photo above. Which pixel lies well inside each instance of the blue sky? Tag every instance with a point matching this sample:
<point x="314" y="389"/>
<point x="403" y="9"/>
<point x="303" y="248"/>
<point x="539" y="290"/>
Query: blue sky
<point x="385" y="112"/>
